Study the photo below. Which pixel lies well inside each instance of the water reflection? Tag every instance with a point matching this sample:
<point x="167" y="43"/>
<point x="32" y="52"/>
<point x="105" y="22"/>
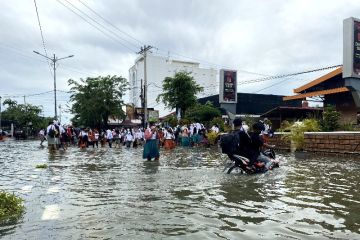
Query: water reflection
<point x="114" y="193"/>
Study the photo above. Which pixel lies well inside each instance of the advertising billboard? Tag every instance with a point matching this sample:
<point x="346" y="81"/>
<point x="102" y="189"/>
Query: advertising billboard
<point x="351" y="48"/>
<point x="228" y="86"/>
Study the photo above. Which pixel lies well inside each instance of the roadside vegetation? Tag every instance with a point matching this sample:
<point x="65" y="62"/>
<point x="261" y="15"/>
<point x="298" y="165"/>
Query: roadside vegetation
<point x="11" y="206"/>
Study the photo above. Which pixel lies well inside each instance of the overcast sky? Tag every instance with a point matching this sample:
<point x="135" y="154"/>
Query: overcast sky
<point x="264" y="37"/>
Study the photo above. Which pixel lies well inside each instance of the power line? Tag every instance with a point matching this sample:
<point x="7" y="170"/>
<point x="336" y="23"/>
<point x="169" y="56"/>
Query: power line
<point x="288" y="75"/>
<point x="32" y="94"/>
<point x="42" y="36"/>
<point x="20" y="53"/>
<point x="99" y="29"/>
<point x="108" y="22"/>
<point x="123" y="32"/>
<point x="104" y="27"/>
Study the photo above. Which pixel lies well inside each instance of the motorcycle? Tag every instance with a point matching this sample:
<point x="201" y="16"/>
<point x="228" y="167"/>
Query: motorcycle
<point x="244" y="164"/>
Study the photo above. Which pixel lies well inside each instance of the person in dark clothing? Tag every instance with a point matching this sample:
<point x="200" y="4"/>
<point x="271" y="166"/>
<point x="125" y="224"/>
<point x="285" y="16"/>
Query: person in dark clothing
<point x="256" y="145"/>
<point x="244" y="149"/>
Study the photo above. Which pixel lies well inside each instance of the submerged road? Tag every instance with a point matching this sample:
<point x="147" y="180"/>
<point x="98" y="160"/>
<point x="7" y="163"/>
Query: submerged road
<point x="114" y="194"/>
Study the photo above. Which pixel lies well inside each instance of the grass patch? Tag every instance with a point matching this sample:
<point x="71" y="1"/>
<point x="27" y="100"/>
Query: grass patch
<point x="10" y="205"/>
<point x="41" y="166"/>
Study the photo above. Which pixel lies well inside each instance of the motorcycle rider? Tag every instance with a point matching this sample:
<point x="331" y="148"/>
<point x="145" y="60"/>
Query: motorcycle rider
<point x="244" y="149"/>
<point x="256" y="146"/>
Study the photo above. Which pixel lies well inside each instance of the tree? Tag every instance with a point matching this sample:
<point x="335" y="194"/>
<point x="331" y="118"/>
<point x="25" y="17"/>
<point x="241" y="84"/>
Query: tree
<point x="95" y="99"/>
<point x="202" y="113"/>
<point x="330" y="120"/>
<point x="179" y="92"/>
<point x="24" y="115"/>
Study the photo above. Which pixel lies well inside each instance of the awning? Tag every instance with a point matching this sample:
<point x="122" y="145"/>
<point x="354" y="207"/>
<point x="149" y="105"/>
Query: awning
<point x="319" y="80"/>
<point x="317" y="93"/>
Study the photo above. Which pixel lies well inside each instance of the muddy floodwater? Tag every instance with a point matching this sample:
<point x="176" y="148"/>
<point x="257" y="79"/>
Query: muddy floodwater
<point x="114" y="194"/>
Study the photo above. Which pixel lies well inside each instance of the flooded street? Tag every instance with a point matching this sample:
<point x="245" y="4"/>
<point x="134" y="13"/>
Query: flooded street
<point x="114" y="194"/>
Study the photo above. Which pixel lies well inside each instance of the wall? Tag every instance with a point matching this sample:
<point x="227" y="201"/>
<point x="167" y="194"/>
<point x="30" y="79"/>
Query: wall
<point x="280" y="142"/>
<point x="332" y="142"/>
<point x="345" y="104"/>
<point x="324" y="143"/>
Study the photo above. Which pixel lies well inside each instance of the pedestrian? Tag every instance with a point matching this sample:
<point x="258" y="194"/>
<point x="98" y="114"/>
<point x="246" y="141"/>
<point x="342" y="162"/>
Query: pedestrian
<point x="109" y="137"/>
<point x="151" y="149"/>
<point x="42" y="136"/>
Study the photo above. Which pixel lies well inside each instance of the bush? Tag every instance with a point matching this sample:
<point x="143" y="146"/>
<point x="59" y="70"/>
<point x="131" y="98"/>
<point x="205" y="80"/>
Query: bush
<point x="10" y="205"/>
<point x="212" y="137"/>
<point x="184" y="121"/>
<point x="172" y="120"/>
<point x="297" y="130"/>
<point x="330" y="120"/>
<point x="285" y="126"/>
<point x="347" y="127"/>
<point x="202" y="113"/>
<point x="218" y="121"/>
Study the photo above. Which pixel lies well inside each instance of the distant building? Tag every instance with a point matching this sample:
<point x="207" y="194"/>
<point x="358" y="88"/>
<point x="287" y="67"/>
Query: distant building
<point x="158" y="68"/>
<point x="332" y="88"/>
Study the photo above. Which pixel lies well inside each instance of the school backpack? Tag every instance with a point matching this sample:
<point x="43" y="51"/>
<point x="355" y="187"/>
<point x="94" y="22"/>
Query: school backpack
<point x="230" y="142"/>
<point x="51" y="132"/>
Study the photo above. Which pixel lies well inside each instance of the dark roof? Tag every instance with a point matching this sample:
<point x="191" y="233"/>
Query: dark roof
<point x="255" y="104"/>
<point x="293" y="112"/>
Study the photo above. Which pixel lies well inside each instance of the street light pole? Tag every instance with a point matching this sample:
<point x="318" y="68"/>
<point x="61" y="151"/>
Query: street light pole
<point x="143" y="51"/>
<point x="54" y="60"/>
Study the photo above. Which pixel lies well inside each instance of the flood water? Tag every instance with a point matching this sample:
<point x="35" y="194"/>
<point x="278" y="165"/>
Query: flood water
<point x="115" y="194"/>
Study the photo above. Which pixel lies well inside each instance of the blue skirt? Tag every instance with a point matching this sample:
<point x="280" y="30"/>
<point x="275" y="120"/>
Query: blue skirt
<point x="151" y="149"/>
<point x="185" y="141"/>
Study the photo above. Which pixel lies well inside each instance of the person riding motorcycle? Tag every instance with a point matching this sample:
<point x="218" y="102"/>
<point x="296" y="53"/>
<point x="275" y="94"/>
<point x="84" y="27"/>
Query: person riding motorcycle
<point x="256" y="146"/>
<point x="250" y="147"/>
<point x="243" y="148"/>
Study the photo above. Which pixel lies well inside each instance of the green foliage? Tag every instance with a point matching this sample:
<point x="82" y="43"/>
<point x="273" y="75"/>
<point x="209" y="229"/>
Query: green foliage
<point x="179" y="92"/>
<point x="330" y="120"/>
<point x="347" y="127"/>
<point x="24" y="114"/>
<point x="298" y="129"/>
<point x="202" y="113"/>
<point x="219" y="121"/>
<point x="10" y="205"/>
<point x="95" y="99"/>
<point x="41" y="166"/>
<point x="184" y="121"/>
<point x="172" y="120"/>
<point x="227" y="128"/>
<point x="285" y="126"/>
<point x="212" y="136"/>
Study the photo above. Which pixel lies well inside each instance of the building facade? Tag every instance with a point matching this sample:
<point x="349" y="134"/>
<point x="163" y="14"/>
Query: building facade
<point x="157" y="69"/>
<point x="332" y="88"/>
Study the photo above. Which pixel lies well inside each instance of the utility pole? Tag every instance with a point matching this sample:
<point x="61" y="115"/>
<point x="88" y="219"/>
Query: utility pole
<point x="54" y="60"/>
<point x="142" y="101"/>
<point x="143" y="51"/>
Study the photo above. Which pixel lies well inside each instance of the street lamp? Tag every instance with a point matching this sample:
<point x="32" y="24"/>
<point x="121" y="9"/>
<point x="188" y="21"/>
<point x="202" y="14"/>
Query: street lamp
<point x="54" y="60"/>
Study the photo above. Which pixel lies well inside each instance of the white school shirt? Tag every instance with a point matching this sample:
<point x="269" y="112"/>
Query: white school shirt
<point x="129" y="137"/>
<point x="109" y="134"/>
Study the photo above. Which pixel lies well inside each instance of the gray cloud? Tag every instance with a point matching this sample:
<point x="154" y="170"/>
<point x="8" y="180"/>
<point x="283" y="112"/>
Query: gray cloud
<point x="268" y="37"/>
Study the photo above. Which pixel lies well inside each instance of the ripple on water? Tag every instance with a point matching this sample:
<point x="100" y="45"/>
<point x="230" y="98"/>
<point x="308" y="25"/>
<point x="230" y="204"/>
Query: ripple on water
<point x="113" y="193"/>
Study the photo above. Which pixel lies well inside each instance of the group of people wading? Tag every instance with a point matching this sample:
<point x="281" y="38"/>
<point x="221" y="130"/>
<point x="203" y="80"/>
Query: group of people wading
<point x="152" y="138"/>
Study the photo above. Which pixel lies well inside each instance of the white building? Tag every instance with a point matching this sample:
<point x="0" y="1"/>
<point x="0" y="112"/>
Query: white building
<point x="157" y="69"/>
